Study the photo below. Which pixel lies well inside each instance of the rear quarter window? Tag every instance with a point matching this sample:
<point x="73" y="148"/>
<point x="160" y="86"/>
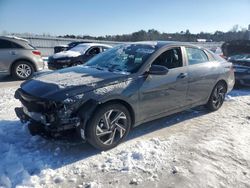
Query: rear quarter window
<point x="218" y="58"/>
<point x="31" y="46"/>
<point x="214" y="57"/>
<point x="196" y="56"/>
<point x="5" y="44"/>
<point x="15" y="45"/>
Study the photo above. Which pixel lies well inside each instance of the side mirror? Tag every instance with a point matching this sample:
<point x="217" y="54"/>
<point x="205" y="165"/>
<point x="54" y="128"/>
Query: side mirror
<point x="158" y="70"/>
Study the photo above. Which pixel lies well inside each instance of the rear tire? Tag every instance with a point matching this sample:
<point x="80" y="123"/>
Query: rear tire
<point x="22" y="70"/>
<point x="217" y="97"/>
<point x="109" y="126"/>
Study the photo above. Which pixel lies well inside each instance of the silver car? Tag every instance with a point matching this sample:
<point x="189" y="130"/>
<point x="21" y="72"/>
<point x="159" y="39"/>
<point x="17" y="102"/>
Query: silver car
<point x="18" y="58"/>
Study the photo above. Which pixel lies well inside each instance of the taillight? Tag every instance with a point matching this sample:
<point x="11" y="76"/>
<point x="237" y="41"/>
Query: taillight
<point x="36" y="52"/>
<point x="224" y="57"/>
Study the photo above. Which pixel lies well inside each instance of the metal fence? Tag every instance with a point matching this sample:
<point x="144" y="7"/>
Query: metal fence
<point x="46" y="44"/>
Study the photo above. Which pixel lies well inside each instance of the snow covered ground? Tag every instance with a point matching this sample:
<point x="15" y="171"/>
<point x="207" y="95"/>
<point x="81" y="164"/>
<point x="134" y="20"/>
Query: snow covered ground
<point x="194" y="148"/>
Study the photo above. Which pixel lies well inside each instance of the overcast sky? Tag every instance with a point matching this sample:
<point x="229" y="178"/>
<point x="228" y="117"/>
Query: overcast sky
<point x="108" y="17"/>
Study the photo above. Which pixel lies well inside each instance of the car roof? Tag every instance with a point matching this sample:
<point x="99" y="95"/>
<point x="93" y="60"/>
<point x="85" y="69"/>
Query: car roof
<point x="94" y="44"/>
<point x="160" y="44"/>
<point x="14" y="38"/>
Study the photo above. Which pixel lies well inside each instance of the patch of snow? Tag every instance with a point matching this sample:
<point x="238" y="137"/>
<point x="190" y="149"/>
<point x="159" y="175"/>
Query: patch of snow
<point x="135" y="181"/>
<point x="59" y="179"/>
<point x="159" y="154"/>
<point x="66" y="79"/>
<point x="73" y="180"/>
<point x="91" y="185"/>
<point x="229" y="98"/>
<point x="68" y="53"/>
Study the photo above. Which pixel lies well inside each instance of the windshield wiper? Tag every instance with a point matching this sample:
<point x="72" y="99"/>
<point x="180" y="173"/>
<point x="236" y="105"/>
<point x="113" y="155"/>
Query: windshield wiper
<point x="97" y="67"/>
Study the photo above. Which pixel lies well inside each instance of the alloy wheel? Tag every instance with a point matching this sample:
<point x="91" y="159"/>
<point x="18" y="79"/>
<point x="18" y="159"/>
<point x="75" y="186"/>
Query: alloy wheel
<point x="23" y="70"/>
<point x="218" y="96"/>
<point x="111" y="127"/>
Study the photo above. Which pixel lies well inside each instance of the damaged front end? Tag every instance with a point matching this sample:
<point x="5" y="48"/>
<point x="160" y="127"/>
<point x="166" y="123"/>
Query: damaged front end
<point x="52" y="116"/>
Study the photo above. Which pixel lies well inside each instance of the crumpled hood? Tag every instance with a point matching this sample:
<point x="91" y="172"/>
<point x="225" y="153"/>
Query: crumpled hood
<point x="64" y="54"/>
<point x="58" y="85"/>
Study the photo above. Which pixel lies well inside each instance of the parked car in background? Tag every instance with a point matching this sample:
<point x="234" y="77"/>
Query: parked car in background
<point x="77" y="55"/>
<point x="241" y="65"/>
<point x="219" y="52"/>
<point x="123" y="87"/>
<point x="66" y="47"/>
<point x="236" y="47"/>
<point x="18" y="58"/>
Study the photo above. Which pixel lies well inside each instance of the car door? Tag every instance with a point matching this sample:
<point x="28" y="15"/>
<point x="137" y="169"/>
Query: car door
<point x="159" y="94"/>
<point x="91" y="52"/>
<point x="202" y="74"/>
<point x="7" y="54"/>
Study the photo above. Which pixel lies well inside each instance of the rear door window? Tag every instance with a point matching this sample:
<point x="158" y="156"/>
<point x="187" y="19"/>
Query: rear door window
<point x="94" y="51"/>
<point x="196" y="56"/>
<point x="5" y="44"/>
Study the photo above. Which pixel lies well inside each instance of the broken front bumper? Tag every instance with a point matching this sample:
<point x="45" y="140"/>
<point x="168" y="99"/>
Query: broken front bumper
<point x="40" y="120"/>
<point x="53" y="118"/>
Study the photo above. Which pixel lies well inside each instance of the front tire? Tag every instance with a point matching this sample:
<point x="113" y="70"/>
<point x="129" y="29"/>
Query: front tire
<point x="109" y="126"/>
<point x="22" y="70"/>
<point x="217" y="97"/>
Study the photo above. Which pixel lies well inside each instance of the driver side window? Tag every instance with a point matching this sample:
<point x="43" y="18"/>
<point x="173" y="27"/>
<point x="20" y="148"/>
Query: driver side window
<point x="94" y="51"/>
<point x="171" y="59"/>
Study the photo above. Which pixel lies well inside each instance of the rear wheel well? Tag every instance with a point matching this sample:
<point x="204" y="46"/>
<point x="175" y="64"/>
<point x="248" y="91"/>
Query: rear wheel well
<point x="223" y="82"/>
<point x="18" y="60"/>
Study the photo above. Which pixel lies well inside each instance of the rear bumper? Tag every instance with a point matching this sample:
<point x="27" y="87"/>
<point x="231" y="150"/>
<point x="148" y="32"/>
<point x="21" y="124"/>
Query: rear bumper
<point x="55" y="66"/>
<point x="39" y="64"/>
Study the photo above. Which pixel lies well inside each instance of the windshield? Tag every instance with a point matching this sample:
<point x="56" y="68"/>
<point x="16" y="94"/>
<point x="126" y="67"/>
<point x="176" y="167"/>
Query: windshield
<point x="124" y="58"/>
<point x="80" y="48"/>
<point x="241" y="57"/>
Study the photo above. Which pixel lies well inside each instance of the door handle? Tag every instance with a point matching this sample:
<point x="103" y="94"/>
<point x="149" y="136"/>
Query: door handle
<point x="182" y="75"/>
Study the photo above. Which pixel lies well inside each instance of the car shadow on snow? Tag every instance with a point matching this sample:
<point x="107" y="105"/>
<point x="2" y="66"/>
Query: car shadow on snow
<point x="242" y="91"/>
<point x="167" y="121"/>
<point x="7" y="78"/>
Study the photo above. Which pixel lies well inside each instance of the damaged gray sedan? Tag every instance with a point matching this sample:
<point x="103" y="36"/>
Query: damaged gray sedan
<point x="124" y="87"/>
